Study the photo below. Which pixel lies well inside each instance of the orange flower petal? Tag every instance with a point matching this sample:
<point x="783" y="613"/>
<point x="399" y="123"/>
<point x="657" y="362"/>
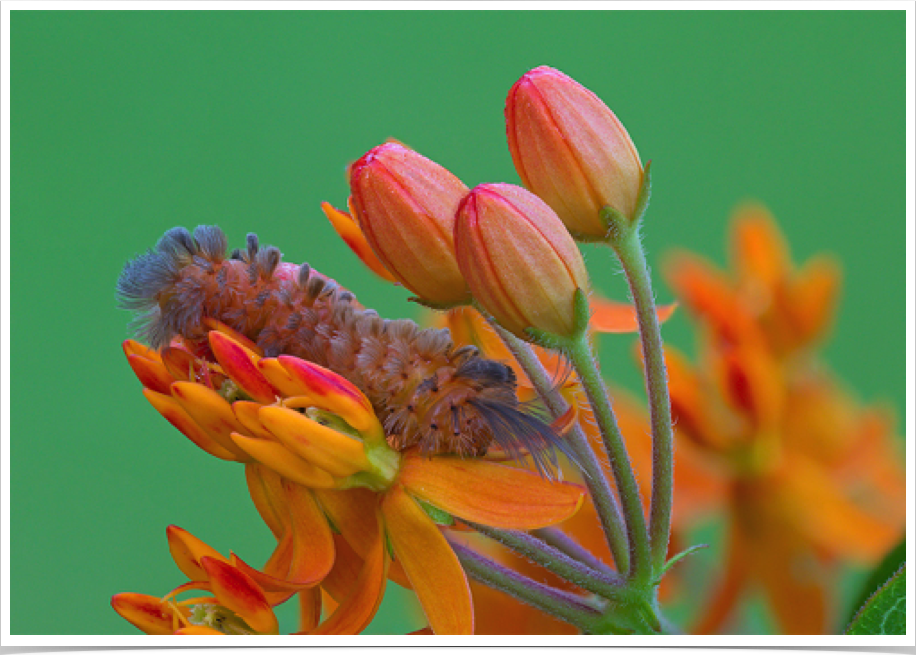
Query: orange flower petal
<point x="313" y="545"/>
<point x="187" y="551"/>
<point x="238" y="592"/>
<point x="353" y="236"/>
<point x="211" y="412"/>
<point x="356" y="611"/>
<point x="238" y="337"/>
<point x="430" y="563"/>
<point x="759" y="250"/>
<point x="341" y="579"/>
<point x="151" y="373"/>
<point x="514" y="498"/>
<point x="332" y="392"/>
<point x="266" y="490"/>
<point x="247" y="414"/>
<point x="814" y="293"/>
<point x="147" y="613"/>
<point x="273" y="370"/>
<point x="198" y="630"/>
<point x="309" y="609"/>
<point x="276" y="456"/>
<point x="610" y="316"/>
<point x="353" y="513"/>
<point x="239" y="364"/>
<point x="173" y="412"/>
<point x="133" y="347"/>
<point x="733" y="582"/>
<point x="181" y="364"/>
<point x="337" y="453"/>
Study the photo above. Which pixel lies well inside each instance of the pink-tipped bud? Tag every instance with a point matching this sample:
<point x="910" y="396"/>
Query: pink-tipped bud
<point x="519" y="260"/>
<point x="571" y="150"/>
<point x="406" y="206"/>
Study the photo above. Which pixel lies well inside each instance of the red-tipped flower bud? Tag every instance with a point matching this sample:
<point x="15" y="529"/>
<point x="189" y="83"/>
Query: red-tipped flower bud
<point x="571" y="150"/>
<point x="406" y="206"/>
<point x="519" y="260"/>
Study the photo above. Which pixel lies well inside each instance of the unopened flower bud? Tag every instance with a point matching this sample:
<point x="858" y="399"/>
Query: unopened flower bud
<point x="519" y="260"/>
<point x="571" y="150"/>
<point x="405" y="205"/>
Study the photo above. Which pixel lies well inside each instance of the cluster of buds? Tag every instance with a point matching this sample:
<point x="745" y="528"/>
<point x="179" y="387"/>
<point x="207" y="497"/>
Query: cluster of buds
<point x="505" y="247"/>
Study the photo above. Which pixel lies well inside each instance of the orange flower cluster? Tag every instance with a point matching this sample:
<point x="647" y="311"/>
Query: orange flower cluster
<point x="332" y="492"/>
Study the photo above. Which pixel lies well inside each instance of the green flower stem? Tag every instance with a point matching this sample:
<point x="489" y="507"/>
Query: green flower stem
<point x="567" y="545"/>
<point x="611" y="587"/>
<point x="583" y="361"/>
<point x="563" y="605"/>
<point x="630" y="252"/>
<point x="595" y="479"/>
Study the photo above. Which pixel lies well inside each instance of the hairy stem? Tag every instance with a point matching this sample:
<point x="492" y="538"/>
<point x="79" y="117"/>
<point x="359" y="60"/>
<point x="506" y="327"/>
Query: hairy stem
<point x="557" y="538"/>
<point x="583" y="362"/>
<point x="557" y="562"/>
<point x="630" y="252"/>
<point x="563" y="605"/>
<point x="598" y="486"/>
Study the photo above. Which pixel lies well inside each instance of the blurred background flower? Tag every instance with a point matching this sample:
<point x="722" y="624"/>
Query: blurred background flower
<point x="129" y="123"/>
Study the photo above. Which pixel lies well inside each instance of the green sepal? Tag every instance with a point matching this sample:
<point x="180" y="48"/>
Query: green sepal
<point x="439" y="516"/>
<point x="582" y="313"/>
<point x="439" y="307"/>
<point x="644" y="195"/>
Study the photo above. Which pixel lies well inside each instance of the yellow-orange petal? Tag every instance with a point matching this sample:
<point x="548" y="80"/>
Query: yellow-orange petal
<point x="338" y="454"/>
<point x="332" y="392"/>
<point x="187" y="551"/>
<point x="175" y="414"/>
<point x="814" y="293"/>
<point x="309" y="609"/>
<point x="147" y="613"/>
<point x="348" y="230"/>
<point x="489" y="493"/>
<point x="347" y="564"/>
<point x="238" y="592"/>
<point x="151" y="373"/>
<point x="247" y="414"/>
<point x="199" y="630"/>
<point x="355" y="612"/>
<point x="610" y="316"/>
<point x="278" y="457"/>
<point x="133" y="347"/>
<point x="278" y="376"/>
<point x="277" y="589"/>
<point x="211" y="412"/>
<point x="239" y="363"/>
<point x="430" y="563"/>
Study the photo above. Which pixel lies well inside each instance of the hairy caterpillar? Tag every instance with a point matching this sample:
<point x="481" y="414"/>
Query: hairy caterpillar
<point x="426" y="392"/>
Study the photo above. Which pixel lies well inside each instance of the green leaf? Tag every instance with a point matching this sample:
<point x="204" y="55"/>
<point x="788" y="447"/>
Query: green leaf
<point x="885" y="612"/>
<point x="879" y="575"/>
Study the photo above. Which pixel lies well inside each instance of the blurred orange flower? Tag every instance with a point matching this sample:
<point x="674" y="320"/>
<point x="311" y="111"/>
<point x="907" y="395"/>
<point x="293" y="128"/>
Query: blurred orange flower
<point x="813" y="477"/>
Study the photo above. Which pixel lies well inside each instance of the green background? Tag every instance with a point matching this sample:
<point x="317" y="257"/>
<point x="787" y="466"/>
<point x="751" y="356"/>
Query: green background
<point x="125" y="124"/>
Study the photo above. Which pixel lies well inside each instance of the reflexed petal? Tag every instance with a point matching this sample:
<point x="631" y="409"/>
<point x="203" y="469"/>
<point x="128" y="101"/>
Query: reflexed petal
<point x="430" y="563"/>
<point x="309" y="609"/>
<point x="238" y="592"/>
<point x="313" y="545"/>
<point x="266" y="490"/>
<point x="173" y="412"/>
<point x="338" y="454"/>
<point x="491" y="494"/>
<point x="276" y="456"/>
<point x="211" y="412"/>
<point x="356" y="611"/>
<point x="348" y="229"/>
<point x="151" y="373"/>
<point x="332" y="392"/>
<point x="187" y="551"/>
<point x="147" y="613"/>
<point x="342" y="578"/>
<point x="239" y="363"/>
<point x="353" y="513"/>
<point x="609" y="316"/>
<point x="276" y="589"/>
